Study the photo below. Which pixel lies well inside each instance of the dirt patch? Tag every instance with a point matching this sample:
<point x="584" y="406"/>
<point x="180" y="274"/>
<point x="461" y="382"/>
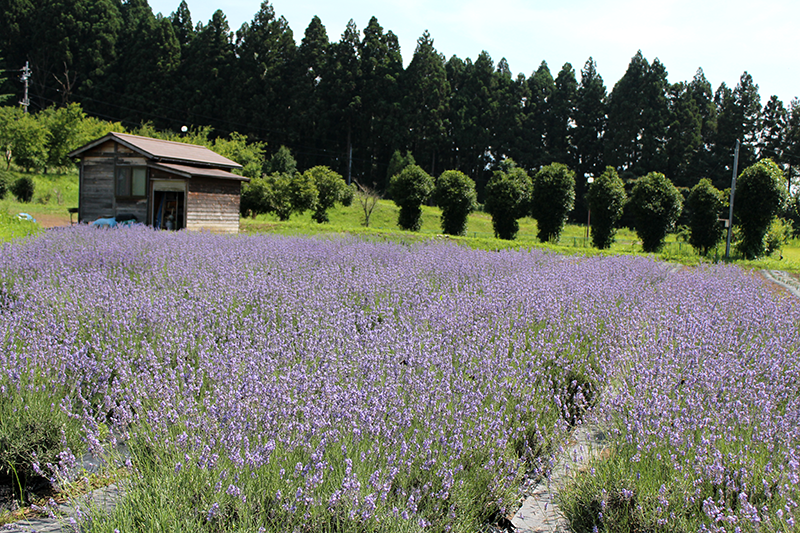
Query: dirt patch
<point x="52" y="221"/>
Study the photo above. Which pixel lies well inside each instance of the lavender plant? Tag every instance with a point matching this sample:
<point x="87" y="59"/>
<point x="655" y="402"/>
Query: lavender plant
<point x="266" y="383"/>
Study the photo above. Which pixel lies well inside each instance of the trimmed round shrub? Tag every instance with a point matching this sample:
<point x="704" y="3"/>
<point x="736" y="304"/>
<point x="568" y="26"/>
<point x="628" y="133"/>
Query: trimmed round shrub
<point x="507" y="200"/>
<point x="552" y="200"/>
<point x="606" y="199"/>
<point x="409" y="190"/>
<point x="704" y="206"/>
<point x="23" y="189"/>
<point x="758" y="199"/>
<point x="455" y="195"/>
<point x="656" y="207"/>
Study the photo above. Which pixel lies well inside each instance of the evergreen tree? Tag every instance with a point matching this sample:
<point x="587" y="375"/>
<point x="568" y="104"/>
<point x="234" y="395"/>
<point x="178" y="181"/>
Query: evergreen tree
<point x="265" y="50"/>
<point x="637" y="118"/>
<point x="590" y="124"/>
<point x="181" y="20"/>
<point x="69" y="43"/>
<point x="774" y="128"/>
<point x="792" y="146"/>
<point x="204" y="94"/>
<point x="340" y="87"/>
<point x="703" y="95"/>
<point x="509" y="95"/>
<point x="381" y="67"/>
<point x="426" y="93"/>
<point x="308" y="119"/>
<point x="148" y="53"/>
<point x="398" y="162"/>
<point x="684" y="136"/>
<point x="562" y="111"/>
<point x="541" y="87"/>
<point x="738" y="116"/>
<point x="472" y="111"/>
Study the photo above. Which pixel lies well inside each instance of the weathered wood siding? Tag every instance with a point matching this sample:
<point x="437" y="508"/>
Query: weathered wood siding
<point x="213" y="205"/>
<point x="97" y="194"/>
<point x="96" y="189"/>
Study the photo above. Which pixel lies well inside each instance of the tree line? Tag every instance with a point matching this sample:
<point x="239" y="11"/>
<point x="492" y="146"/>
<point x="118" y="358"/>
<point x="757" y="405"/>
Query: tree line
<point x="349" y="104"/>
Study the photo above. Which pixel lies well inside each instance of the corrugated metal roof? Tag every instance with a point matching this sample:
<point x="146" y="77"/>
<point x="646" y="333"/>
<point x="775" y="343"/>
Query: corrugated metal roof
<point x="190" y="172"/>
<point x="164" y="151"/>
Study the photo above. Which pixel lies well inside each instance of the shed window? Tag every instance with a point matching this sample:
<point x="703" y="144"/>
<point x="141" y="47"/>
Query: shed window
<point x="131" y="181"/>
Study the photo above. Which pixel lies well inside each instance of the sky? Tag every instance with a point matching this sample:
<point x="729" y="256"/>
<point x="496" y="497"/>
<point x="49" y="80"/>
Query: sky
<point x="724" y="37"/>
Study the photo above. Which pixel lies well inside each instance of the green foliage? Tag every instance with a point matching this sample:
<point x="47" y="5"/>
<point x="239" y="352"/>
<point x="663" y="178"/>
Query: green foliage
<point x="552" y="199"/>
<point x="23" y="189"/>
<point x="409" y="190"/>
<point x="779" y="233"/>
<point x="236" y="148"/>
<point x="760" y="195"/>
<point x="508" y="196"/>
<point x="398" y="162"/>
<point x="656" y="207"/>
<point x="455" y="195"/>
<point x="331" y="189"/>
<point x="606" y="198"/>
<point x="33" y="430"/>
<point x="253" y="201"/>
<point x="64" y="133"/>
<point x="281" y="194"/>
<point x="22" y="138"/>
<point x="705" y="204"/>
<point x="281" y="162"/>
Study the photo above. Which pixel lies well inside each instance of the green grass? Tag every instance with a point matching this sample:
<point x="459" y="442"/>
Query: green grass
<point x="53" y="195"/>
<point x="480" y="234"/>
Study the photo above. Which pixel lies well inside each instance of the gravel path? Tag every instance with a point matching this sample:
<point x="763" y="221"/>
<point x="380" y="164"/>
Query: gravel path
<point x="539" y="512"/>
<point x="784" y="279"/>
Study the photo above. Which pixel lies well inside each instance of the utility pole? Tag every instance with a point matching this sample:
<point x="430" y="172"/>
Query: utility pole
<point x="26" y="75"/>
<point x="733" y="192"/>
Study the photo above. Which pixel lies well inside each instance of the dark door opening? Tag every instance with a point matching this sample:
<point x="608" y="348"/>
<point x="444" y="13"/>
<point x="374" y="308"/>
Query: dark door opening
<point x="169" y="210"/>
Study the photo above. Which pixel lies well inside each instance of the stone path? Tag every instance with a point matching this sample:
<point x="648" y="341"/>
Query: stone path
<point x="785" y="280"/>
<point x="66" y="515"/>
<point x="539" y="512"/>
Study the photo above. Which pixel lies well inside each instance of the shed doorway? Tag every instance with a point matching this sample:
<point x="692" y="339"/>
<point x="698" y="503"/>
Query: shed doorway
<point x="168" y="201"/>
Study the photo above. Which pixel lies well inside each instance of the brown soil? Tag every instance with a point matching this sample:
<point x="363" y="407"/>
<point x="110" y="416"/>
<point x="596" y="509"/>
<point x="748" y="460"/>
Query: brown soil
<point x="53" y="221"/>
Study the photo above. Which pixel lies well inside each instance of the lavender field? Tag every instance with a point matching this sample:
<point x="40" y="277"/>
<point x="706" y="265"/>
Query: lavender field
<point x="293" y="384"/>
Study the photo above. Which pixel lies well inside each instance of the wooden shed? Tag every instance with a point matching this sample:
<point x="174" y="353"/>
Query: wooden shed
<point x="164" y="184"/>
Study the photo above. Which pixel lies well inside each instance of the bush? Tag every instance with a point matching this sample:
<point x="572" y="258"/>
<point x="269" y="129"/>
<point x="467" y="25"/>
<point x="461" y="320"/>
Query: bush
<point x="331" y="189"/>
<point x="508" y="199"/>
<point x="32" y="430"/>
<point x="410" y="189"/>
<point x="656" y="207"/>
<point x="455" y="195"/>
<point x="23" y="189"/>
<point x="606" y="198"/>
<point x="704" y="205"/>
<point x="779" y="233"/>
<point x="552" y="199"/>
<point x="758" y="199"/>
